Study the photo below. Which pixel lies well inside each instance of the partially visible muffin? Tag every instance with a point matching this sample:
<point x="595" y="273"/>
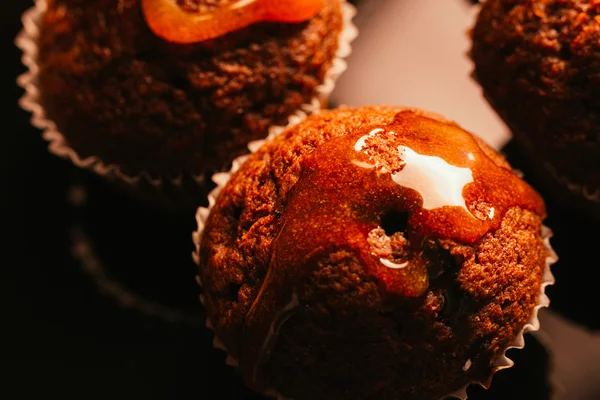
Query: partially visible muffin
<point x="372" y="253"/>
<point x="119" y="91"/>
<point x="538" y="63"/>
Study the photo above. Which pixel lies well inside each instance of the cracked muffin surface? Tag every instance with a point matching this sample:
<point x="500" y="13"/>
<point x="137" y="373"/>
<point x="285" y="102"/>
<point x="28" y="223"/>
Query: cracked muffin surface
<point x="538" y="63"/>
<point x="117" y="91"/>
<point x="328" y="273"/>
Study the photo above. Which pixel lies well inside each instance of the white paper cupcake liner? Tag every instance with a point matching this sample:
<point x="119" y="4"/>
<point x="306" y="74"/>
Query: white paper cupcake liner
<point x="167" y="192"/>
<point x="533" y="325"/>
<point x="503" y="362"/>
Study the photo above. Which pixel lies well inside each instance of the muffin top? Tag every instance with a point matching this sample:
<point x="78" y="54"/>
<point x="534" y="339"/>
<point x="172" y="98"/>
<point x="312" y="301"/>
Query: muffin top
<point x="549" y="46"/>
<point x="539" y="65"/>
<point x="430" y="172"/>
<point x="356" y="222"/>
<point x="119" y="92"/>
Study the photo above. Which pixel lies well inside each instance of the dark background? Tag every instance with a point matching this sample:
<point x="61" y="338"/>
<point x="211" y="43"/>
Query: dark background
<point x="62" y="338"/>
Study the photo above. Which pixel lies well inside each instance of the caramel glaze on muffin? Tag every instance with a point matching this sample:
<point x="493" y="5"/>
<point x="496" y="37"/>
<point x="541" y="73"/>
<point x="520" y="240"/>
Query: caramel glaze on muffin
<point x="329" y="278"/>
<point x="119" y="92"/>
<point x="539" y="65"/>
<point x="203" y="5"/>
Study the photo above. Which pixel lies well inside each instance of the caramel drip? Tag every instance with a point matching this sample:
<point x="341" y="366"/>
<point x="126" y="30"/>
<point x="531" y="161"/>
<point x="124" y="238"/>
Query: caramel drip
<point x="434" y="172"/>
<point x="170" y="22"/>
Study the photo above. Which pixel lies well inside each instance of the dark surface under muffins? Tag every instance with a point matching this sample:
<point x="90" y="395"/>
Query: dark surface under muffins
<point x="538" y="63"/>
<point x="118" y="92"/>
<point x="318" y="343"/>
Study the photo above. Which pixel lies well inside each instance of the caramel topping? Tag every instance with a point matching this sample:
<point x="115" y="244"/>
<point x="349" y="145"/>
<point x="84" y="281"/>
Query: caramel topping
<point x="170" y="22"/>
<point x="434" y="173"/>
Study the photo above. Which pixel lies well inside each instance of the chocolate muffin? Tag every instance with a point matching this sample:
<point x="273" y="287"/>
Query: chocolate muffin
<point x="538" y="63"/>
<point x="179" y="87"/>
<point x="372" y="253"/>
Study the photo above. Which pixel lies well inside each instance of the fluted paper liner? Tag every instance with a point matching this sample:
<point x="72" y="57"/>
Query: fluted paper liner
<point x="164" y="191"/>
<point x="503" y="362"/>
<point x="589" y="194"/>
